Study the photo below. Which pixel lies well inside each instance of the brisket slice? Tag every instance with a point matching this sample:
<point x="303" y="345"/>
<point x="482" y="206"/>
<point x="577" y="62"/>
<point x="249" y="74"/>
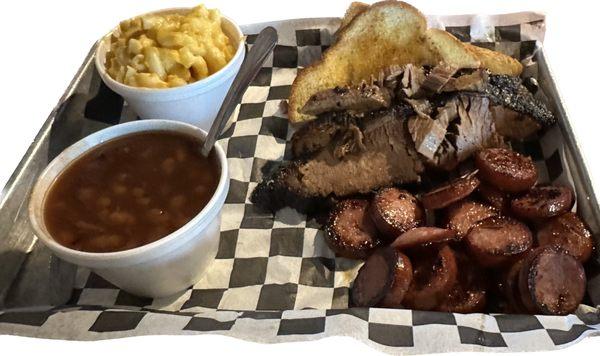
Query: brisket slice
<point x="388" y="77"/>
<point x="421" y="106"/>
<point x="334" y="127"/>
<point x="517" y="113"/>
<point x="410" y="82"/>
<point x="427" y="133"/>
<point x="365" y="97"/>
<point x="474" y="81"/>
<point x="463" y="124"/>
<point x="502" y="108"/>
<point x="284" y="189"/>
<point x="512" y="124"/>
<point x="437" y="78"/>
<point x="318" y="133"/>
<point x="387" y="157"/>
<point x="475" y="128"/>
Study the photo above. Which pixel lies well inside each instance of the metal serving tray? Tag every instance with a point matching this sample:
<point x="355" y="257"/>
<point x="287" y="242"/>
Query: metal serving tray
<point x="32" y="279"/>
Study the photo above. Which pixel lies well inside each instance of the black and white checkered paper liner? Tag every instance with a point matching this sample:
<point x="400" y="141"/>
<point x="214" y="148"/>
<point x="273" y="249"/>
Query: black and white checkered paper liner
<point x="274" y="279"/>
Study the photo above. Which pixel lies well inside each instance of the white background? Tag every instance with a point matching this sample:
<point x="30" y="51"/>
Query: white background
<point x="43" y="43"/>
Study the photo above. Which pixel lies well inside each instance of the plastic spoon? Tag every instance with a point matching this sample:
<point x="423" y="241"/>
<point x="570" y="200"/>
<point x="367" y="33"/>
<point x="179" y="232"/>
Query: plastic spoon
<point x="264" y="44"/>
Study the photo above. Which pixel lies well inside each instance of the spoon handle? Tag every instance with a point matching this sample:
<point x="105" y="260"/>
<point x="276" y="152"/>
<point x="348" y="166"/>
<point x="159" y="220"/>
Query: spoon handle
<point x="264" y="44"/>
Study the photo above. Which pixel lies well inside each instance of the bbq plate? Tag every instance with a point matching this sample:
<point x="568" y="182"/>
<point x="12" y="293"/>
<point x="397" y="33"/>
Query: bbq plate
<point x="274" y="278"/>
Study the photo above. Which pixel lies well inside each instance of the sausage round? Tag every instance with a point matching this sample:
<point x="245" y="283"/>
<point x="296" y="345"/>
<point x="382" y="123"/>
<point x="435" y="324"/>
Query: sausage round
<point x="554" y="281"/>
<point x="464" y="301"/>
<point x="452" y="192"/>
<point x="434" y="275"/>
<point x="495" y="197"/>
<point x="506" y="169"/>
<point x="568" y="233"/>
<point x="350" y="231"/>
<point x="498" y="240"/>
<point x="395" y="211"/>
<point x="462" y="216"/>
<point x="374" y="278"/>
<point x="544" y="201"/>
<point x="522" y="292"/>
<point x="511" y="287"/>
<point x="403" y="273"/>
<point x="422" y="236"/>
<point x="469" y="294"/>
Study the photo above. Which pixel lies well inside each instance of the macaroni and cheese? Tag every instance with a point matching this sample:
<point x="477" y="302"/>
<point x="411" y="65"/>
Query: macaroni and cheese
<point x="168" y="50"/>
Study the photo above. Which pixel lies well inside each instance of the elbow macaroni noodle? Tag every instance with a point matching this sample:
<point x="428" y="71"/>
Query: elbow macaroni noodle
<point x="168" y="50"/>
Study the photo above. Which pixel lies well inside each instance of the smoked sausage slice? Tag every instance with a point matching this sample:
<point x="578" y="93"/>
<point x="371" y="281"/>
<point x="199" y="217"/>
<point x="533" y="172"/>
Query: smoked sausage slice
<point x="374" y="278"/>
<point x="495" y="197"/>
<point x="403" y="274"/>
<point x="506" y="169"/>
<point x="554" y="280"/>
<point x="471" y="299"/>
<point x="422" y="236"/>
<point x="523" y="282"/>
<point x="349" y="230"/>
<point x="498" y="240"/>
<point x="542" y="202"/>
<point x="511" y="287"/>
<point x="469" y="294"/>
<point x="462" y="216"/>
<point x="395" y="211"/>
<point x="452" y="192"/>
<point x="568" y="233"/>
<point x="434" y="275"/>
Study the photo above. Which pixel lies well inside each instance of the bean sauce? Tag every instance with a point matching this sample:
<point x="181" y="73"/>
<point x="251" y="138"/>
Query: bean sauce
<point x="129" y="192"/>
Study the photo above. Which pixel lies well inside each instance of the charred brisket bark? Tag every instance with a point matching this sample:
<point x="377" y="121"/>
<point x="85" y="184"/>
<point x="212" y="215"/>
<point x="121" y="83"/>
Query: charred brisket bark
<point x="508" y="92"/>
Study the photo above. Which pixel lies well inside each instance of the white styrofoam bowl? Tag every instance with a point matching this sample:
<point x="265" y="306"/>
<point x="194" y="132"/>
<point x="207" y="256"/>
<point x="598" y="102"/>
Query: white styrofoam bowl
<point x="160" y="268"/>
<point x="196" y="103"/>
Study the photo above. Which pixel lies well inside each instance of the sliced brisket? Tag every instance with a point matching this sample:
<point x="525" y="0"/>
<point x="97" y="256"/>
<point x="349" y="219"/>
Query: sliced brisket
<point x="387" y="157"/>
<point x="427" y="133"/>
<point x="317" y="134"/>
<point x="365" y="97"/>
<point x="516" y="112"/>
<point x="474" y="81"/>
<point x="475" y="128"/>
<point x="411" y="80"/>
<point x="437" y="78"/>
<point x="388" y="77"/>
<point x="512" y="124"/>
<point x="335" y="128"/>
<point x="381" y="133"/>
<point x="462" y="126"/>
<point x="421" y="106"/>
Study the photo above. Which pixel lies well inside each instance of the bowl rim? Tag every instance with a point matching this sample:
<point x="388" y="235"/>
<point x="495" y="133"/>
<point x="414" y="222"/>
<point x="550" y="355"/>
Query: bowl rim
<point x="75" y="151"/>
<point x="101" y="67"/>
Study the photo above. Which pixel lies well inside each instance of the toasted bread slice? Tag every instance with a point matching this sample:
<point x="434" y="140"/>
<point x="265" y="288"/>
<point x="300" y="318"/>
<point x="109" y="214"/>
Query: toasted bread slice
<point x="450" y="49"/>
<point x="386" y="33"/>
<point x="448" y="46"/>
<point x="496" y="62"/>
<point x="355" y="8"/>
